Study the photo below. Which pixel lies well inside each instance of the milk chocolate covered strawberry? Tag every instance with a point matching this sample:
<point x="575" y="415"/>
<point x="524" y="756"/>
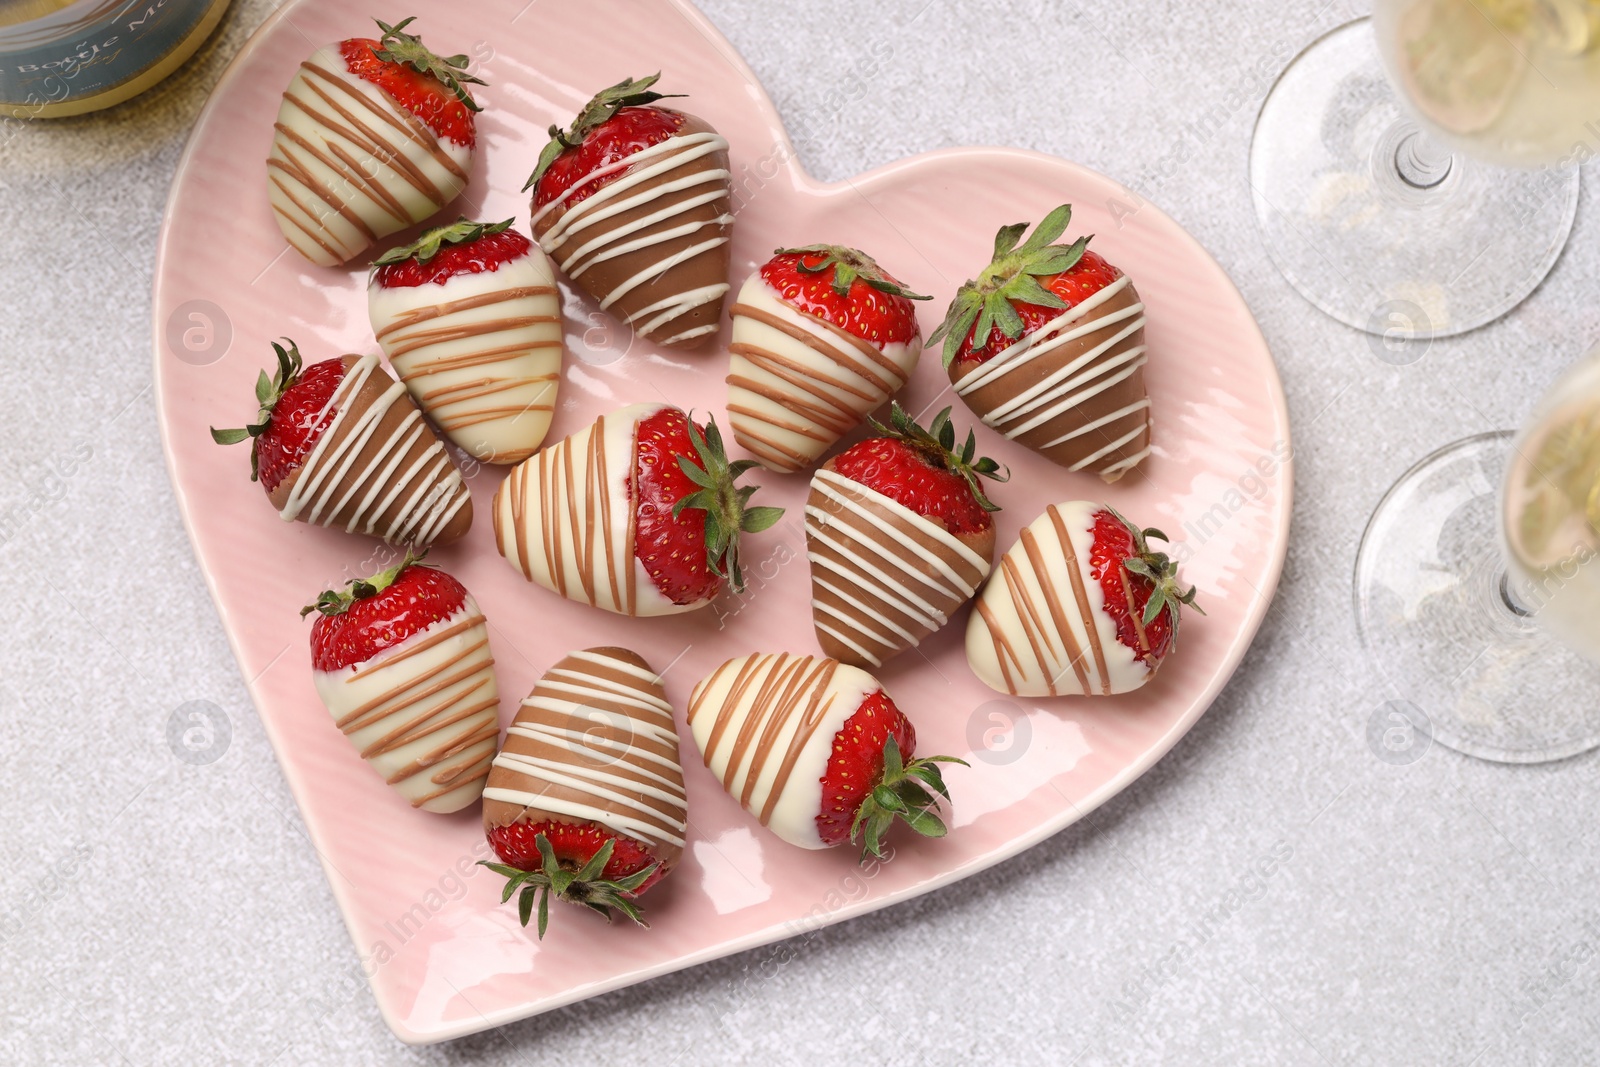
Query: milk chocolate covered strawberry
<point x="633" y="202"/>
<point x="340" y="444"/>
<point x="585" y="801"/>
<point x="1047" y="346"/>
<point x="899" y="535"/>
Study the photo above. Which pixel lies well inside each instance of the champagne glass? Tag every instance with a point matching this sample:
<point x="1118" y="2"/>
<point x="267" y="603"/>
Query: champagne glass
<point x="1389" y="213"/>
<point x="1477" y="579"/>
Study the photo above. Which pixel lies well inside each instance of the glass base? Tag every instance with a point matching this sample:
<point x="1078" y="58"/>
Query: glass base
<point x="1440" y="622"/>
<point x="1376" y="224"/>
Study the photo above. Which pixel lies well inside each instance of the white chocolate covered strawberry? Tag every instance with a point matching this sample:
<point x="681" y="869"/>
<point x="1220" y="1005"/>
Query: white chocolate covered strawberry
<point x="1080" y="604"/>
<point x="822" y="335"/>
<point x="634" y="203"/>
<point x="816" y="750"/>
<point x="585" y="801"/>
<point x="373" y="135"/>
<point x="401" y="660"/>
<point x="637" y="513"/>
<point x="469" y="316"/>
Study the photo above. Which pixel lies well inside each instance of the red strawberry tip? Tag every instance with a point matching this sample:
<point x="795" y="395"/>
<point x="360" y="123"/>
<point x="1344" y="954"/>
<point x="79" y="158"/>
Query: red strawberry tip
<point x="424" y="248"/>
<point x="847" y="265"/>
<point x="1160" y="570"/>
<point x="628" y="92"/>
<point x="937" y="446"/>
<point x="1011" y="277"/>
<point x="333" y="602"/>
<point x="579" y="885"/>
<point x="726" y="504"/>
<point x="397" y="46"/>
<point x="909" y="792"/>
<point x="268" y="392"/>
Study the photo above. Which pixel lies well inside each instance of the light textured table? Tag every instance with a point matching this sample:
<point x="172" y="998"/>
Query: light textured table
<point x="1444" y="911"/>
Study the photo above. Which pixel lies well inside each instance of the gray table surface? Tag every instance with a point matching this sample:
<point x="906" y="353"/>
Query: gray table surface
<point x="1442" y="911"/>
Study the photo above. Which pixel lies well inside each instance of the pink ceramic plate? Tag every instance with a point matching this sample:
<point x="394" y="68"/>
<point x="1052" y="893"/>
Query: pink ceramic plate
<point x="445" y="958"/>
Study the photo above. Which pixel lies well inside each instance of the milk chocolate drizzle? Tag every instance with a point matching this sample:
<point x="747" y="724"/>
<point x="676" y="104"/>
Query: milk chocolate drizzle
<point x="594" y="742"/>
<point x="821" y="381"/>
<point x="1042" y="620"/>
<point x="882" y="577"/>
<point x="437" y="689"/>
<point x="488" y="380"/>
<point x="349" y="165"/>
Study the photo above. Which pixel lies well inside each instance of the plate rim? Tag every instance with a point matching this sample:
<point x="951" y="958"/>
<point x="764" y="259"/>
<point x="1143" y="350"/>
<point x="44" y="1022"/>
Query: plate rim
<point x="1199" y="704"/>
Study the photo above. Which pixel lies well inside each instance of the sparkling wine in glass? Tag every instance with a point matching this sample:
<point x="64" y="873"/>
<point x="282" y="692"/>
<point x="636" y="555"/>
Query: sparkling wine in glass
<point x="1381" y="208"/>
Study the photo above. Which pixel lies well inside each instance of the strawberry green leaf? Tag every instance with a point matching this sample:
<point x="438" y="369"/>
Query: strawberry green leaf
<point x="606" y="103"/>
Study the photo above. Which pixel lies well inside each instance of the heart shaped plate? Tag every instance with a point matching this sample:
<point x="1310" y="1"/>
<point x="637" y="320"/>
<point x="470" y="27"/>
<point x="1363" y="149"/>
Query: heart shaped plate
<point x="444" y="957"/>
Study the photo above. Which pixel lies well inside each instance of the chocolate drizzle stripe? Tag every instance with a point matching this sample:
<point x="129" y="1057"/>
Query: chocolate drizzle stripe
<point x="645" y="179"/>
<point x="1004" y="654"/>
<point x="345" y="143"/>
<point x="1080" y="595"/>
<point x="1071" y="652"/>
<point x="414" y="316"/>
<point x="594" y="742"/>
<point x="368" y="499"/>
<point x="428" y="693"/>
<point x="827" y="344"/>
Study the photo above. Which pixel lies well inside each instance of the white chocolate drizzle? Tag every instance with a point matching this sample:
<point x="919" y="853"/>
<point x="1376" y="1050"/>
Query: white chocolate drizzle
<point x="595" y="742"/>
<point x="895" y="575"/>
<point x="429" y="490"/>
<point x="584" y="235"/>
<point x="1072" y="385"/>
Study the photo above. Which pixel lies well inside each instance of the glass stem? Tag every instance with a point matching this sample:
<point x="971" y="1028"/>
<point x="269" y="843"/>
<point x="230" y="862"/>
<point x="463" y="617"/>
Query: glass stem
<point x="1421" y="161"/>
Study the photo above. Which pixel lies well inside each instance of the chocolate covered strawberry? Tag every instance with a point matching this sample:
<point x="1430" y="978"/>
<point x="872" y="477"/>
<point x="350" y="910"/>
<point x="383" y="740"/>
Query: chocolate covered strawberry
<point x="373" y="135"/>
<point x="822" y="335"/>
<point x="899" y="535"/>
<point x="585" y="801"/>
<point x="638" y="513"/>
<point x="340" y="444"/>
<point x="469" y="316"/>
<point x="401" y="660"/>
<point x="1047" y="346"/>
<point x="816" y="750"/>
<point x="1080" y="604"/>
<point x="633" y="201"/>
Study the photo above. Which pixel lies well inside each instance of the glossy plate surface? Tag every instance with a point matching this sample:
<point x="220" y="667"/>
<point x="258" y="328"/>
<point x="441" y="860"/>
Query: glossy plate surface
<point x="445" y="958"/>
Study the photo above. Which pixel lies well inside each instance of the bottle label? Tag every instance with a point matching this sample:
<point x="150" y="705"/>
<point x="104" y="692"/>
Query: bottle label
<point x="88" y="47"/>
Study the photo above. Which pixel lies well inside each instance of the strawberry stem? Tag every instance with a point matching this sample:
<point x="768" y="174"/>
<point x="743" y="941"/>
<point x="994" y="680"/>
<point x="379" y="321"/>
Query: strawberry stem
<point x="937" y="445"/>
<point x="726" y="504"/>
<point x="909" y="792"/>
<point x="579" y="885"/>
<point x="1160" y="570"/>
<point x="847" y="265"/>
<point x="1010" y="278"/>
<point x="397" y="46"/>
<point x="333" y="602"/>
<point x="607" y="102"/>
<point x="427" y="246"/>
<point x="268" y="392"/>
